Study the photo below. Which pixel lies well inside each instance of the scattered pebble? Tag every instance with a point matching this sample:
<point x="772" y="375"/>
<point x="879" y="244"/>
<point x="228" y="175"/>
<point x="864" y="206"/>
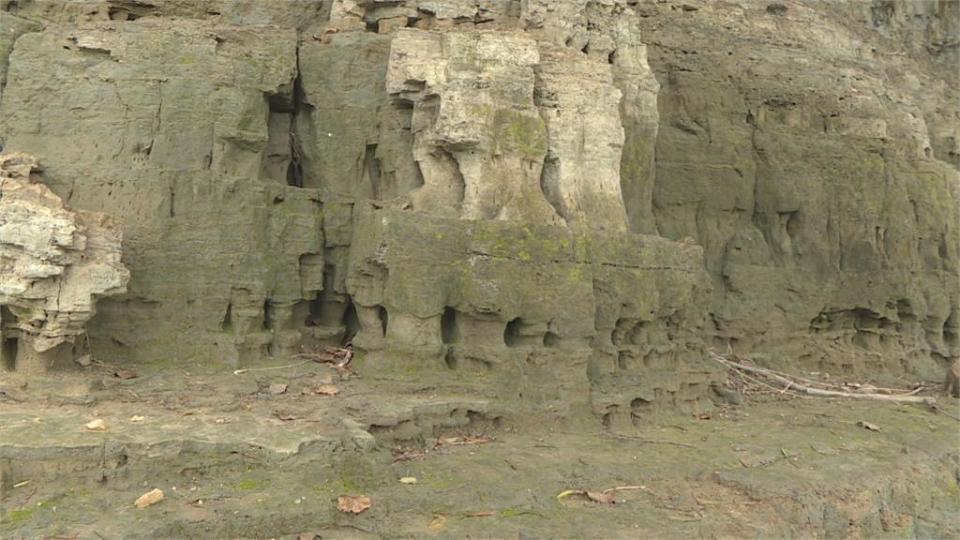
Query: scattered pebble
<point x="326" y="390"/>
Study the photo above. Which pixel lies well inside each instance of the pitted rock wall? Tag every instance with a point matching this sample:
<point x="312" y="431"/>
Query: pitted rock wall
<point x="166" y="129"/>
<point x="811" y="149"/>
<point x="513" y="196"/>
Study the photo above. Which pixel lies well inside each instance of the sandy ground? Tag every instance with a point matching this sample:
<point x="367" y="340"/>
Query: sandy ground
<point x="237" y="457"/>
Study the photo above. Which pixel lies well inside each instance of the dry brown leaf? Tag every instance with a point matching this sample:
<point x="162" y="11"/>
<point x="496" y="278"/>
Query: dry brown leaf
<point x="326" y="390"/>
<point x="353" y="504"/>
<point x="151" y="497"/>
<point x="438" y="522"/>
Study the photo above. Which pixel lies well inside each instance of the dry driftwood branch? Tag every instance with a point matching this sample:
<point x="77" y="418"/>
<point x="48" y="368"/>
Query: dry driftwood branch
<point x="803" y="389"/>
<point x="844" y="387"/>
<point x="339" y="357"/>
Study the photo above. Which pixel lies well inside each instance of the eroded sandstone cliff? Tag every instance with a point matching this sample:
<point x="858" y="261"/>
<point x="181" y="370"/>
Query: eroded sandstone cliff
<point x="561" y="202"/>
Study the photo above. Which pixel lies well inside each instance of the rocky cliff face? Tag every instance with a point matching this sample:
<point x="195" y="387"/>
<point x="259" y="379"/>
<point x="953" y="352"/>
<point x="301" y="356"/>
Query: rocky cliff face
<point x="811" y="148"/>
<point x="562" y="202"/>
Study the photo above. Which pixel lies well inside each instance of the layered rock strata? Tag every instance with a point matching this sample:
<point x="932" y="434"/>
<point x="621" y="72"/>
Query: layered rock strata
<point x="54" y="265"/>
<point x="577" y="194"/>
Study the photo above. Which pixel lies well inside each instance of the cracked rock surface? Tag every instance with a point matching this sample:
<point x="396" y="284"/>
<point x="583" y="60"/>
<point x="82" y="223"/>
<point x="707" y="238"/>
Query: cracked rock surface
<point x="54" y="263"/>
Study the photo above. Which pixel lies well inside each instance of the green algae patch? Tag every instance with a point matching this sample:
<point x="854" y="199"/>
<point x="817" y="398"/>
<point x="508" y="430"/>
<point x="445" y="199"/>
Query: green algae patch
<point x="250" y="484"/>
<point x="20" y="515"/>
<point x="27" y="513"/>
<point x="522" y="133"/>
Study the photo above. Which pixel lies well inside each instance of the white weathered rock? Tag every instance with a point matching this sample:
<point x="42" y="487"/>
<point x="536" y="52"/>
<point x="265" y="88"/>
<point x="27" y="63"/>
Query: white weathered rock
<point x="504" y="123"/>
<point x="581" y="108"/>
<point x="54" y="262"/>
<point x="478" y="137"/>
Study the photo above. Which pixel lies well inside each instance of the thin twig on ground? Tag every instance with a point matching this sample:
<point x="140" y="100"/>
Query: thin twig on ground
<point x="648" y="441"/>
<point x="245" y="370"/>
<point x="940" y="410"/>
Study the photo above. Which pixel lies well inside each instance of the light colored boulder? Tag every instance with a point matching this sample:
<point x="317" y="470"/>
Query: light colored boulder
<point x="54" y="262"/>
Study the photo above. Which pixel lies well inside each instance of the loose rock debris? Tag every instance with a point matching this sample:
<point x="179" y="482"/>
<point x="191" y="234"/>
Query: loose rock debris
<point x="410" y="454"/>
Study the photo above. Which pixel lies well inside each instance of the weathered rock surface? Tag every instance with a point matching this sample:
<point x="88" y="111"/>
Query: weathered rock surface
<point x="54" y="263"/>
<point x="810" y="148"/>
<point x="174" y="125"/>
<point x="484" y="192"/>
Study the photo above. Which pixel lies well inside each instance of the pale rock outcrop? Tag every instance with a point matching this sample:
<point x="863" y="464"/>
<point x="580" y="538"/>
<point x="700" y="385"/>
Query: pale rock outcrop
<point x="581" y="107"/>
<point x="503" y="123"/>
<point x="54" y="262"/>
<point x="477" y="135"/>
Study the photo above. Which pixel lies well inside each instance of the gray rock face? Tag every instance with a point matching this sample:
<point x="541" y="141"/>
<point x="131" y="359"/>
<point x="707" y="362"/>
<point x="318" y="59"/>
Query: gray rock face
<point x="179" y="132"/>
<point x="54" y="263"/>
<point x="564" y="200"/>
<point x="811" y="152"/>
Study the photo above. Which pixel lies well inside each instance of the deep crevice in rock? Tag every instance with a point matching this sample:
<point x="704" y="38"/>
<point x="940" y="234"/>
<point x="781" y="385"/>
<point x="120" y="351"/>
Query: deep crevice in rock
<point x="511" y="334"/>
<point x="384" y="317"/>
<point x="350" y="323"/>
<point x="448" y="326"/>
<point x="226" y="324"/>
